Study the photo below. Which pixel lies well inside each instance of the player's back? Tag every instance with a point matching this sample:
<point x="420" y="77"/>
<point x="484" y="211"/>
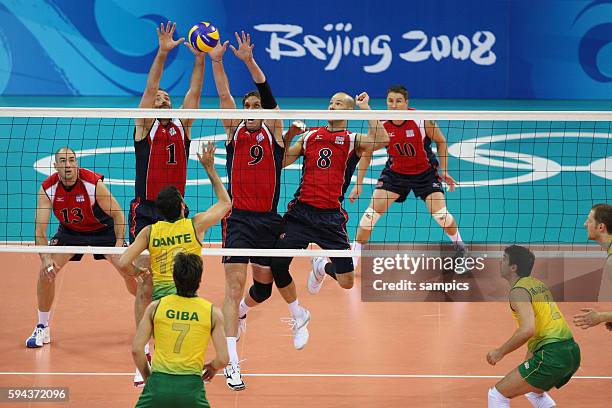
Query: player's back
<point x="550" y="324"/>
<point x="182" y="329"/>
<point x="329" y="162"/>
<point x="165" y="241"/>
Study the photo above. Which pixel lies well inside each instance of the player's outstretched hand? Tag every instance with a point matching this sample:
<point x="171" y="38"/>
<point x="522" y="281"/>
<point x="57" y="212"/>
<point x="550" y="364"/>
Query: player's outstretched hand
<point x="354" y="194"/>
<point x="207" y="158"/>
<point x="363" y="100"/>
<point x="245" y="48"/>
<point x="216" y="54"/>
<point x="209" y="372"/>
<point x="589" y="318"/>
<point x="197" y="53"/>
<point x="450" y="182"/>
<point x="164" y="34"/>
<point x="494" y="356"/>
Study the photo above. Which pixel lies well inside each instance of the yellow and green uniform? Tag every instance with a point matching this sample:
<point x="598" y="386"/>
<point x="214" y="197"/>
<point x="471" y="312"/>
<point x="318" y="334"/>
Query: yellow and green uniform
<point x="556" y="356"/>
<point x="182" y="328"/>
<point x="609" y="248"/>
<point x="165" y="241"/>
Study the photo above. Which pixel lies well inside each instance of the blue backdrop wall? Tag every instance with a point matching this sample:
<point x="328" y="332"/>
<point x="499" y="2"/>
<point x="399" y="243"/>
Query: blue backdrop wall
<point x="438" y="49"/>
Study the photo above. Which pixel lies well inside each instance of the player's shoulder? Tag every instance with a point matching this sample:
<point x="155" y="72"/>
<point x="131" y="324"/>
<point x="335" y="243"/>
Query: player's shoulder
<point x="89" y="176"/>
<point x="50" y="181"/>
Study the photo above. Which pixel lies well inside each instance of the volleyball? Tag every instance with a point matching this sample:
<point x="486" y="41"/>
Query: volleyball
<point x="203" y="36"/>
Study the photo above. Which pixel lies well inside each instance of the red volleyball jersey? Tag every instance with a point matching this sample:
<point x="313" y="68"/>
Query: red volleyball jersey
<point x="329" y="163"/>
<point x="409" y="148"/>
<point x="75" y="207"/>
<point x="254" y="164"/>
<point x="161" y="159"/>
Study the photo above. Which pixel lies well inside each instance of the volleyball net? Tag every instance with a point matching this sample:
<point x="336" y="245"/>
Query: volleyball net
<point x="523" y="176"/>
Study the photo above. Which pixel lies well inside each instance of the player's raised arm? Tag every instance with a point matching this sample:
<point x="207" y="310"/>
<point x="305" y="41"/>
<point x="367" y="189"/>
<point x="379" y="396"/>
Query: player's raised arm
<point x="109" y="205"/>
<point x="226" y="100"/>
<point x="434" y="133"/>
<point x="219" y="340"/>
<point x="192" y="97"/>
<point x="204" y="220"/>
<point x="244" y="52"/>
<point x="377" y="137"/>
<point x="293" y="151"/>
<point x="143" y="334"/>
<point x="520" y="301"/>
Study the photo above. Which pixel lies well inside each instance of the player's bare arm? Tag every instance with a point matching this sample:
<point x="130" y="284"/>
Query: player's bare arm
<point x="134" y="250"/>
<point x="377" y="136"/>
<point x="204" y="220"/>
<point x="520" y="301"/>
<point x="192" y="97"/>
<point x="109" y="205"/>
<point x="43" y="213"/>
<point x="362" y="169"/>
<point x="219" y="340"/>
<point x="293" y="151"/>
<point x="434" y="133"/>
<point x="143" y="334"/>
<point x="244" y="53"/>
<point x="226" y="100"/>
<point x="166" y="44"/>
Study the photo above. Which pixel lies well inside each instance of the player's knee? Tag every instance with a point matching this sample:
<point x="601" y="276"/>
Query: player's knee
<point x="443" y="217"/>
<point x="260" y="292"/>
<point x="346" y="280"/>
<point x="280" y="272"/>
<point x="369" y="219"/>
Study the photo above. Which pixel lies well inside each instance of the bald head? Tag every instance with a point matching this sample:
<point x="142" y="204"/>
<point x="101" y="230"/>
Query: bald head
<point x="341" y="100"/>
<point x="64" y="152"/>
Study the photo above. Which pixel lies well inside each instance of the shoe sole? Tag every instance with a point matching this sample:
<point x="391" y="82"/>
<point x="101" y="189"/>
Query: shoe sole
<point x="236" y="387"/>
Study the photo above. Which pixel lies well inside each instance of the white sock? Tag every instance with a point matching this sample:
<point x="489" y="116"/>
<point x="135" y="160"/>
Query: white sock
<point x="43" y="318"/>
<point x="231" y="348"/>
<point x="540" y="400"/>
<point x="357" y="247"/>
<point x="496" y="400"/>
<point x="295" y="308"/>
<point x="147" y="349"/>
<point x="456" y="239"/>
<point x="244" y="308"/>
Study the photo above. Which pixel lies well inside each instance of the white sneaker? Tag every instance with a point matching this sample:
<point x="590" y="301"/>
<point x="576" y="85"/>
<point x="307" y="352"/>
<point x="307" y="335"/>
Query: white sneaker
<point x="300" y="329"/>
<point x="241" y="327"/>
<point x="40" y="336"/>
<point x="315" y="278"/>
<point x="233" y="378"/>
<point x="139" y="381"/>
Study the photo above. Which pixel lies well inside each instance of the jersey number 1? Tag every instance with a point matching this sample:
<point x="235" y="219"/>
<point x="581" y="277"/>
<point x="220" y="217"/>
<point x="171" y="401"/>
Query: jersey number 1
<point x="171" y="154"/>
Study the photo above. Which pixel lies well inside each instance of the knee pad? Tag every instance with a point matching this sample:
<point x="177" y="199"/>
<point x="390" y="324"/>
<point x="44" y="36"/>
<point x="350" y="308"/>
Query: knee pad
<point x="342" y="265"/>
<point x="443" y="217"/>
<point x="369" y="219"/>
<point x="280" y="272"/>
<point x="260" y="291"/>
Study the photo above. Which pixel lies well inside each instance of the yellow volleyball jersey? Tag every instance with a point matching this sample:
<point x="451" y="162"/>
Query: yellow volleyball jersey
<point x="182" y="329"/>
<point x="610" y="249"/>
<point x="550" y="325"/>
<point x="165" y="241"/>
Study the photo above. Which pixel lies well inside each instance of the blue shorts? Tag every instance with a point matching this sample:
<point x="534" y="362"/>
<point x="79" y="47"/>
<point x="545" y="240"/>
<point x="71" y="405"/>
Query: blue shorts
<point x="422" y="184"/>
<point x="143" y="213"/>
<point x="304" y="224"/>
<point x="102" y="238"/>
<point x="253" y="230"/>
